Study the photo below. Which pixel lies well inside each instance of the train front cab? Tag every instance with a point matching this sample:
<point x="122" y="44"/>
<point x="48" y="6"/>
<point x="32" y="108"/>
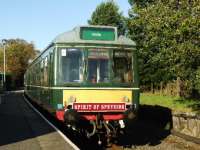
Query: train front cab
<point x="99" y="86"/>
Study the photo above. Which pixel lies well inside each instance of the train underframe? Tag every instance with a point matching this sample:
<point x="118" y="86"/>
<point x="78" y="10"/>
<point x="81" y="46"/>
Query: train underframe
<point x="107" y="126"/>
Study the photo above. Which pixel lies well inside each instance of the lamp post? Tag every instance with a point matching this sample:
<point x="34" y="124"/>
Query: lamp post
<point x="4" y="60"/>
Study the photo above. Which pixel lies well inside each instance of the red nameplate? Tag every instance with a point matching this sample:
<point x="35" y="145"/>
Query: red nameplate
<point x="99" y="106"/>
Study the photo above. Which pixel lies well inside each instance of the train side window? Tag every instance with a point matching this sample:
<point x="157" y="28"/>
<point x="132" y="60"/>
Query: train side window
<point x="42" y="72"/>
<point x="46" y="62"/>
<point x="41" y="64"/>
<point x="46" y="71"/>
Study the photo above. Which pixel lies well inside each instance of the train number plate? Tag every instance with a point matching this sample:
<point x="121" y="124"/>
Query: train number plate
<point x="99" y="106"/>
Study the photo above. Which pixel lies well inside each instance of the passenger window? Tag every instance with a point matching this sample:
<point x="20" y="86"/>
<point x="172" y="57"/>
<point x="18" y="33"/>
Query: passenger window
<point x="46" y="71"/>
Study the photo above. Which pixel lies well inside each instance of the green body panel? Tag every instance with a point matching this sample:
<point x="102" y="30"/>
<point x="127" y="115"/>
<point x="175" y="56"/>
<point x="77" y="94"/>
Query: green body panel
<point x="57" y="97"/>
<point x="135" y="98"/>
<point x="87" y="33"/>
<point x="48" y="98"/>
<point x="136" y="93"/>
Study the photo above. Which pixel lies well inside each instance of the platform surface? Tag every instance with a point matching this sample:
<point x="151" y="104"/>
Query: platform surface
<point x="21" y="128"/>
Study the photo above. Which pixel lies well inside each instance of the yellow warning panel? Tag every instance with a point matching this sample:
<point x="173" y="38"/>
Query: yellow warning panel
<point x="97" y="96"/>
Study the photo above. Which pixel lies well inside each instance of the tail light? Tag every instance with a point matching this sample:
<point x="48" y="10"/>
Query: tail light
<point x="125" y="99"/>
<point x="72" y="99"/>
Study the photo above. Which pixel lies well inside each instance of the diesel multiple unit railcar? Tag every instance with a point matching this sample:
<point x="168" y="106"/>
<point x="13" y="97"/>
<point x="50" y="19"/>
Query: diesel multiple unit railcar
<point x="89" y="74"/>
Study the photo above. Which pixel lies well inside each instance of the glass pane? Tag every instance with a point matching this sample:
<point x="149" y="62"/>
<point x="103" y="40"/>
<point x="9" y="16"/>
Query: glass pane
<point x="98" y="66"/>
<point x="103" y="71"/>
<point x="92" y="65"/>
<point x="70" y="66"/>
<point x="122" y="67"/>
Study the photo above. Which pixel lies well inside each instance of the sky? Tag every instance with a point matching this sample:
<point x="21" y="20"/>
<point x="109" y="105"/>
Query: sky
<point x="40" y="21"/>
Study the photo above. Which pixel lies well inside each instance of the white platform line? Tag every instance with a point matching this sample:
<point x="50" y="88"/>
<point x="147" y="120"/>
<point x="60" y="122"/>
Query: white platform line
<point x="57" y="130"/>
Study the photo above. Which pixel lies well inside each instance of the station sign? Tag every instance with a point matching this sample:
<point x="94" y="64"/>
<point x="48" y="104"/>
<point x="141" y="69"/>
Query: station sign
<point x="99" y="34"/>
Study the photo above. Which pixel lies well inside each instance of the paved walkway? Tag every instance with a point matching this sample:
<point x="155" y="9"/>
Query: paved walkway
<point x="22" y="129"/>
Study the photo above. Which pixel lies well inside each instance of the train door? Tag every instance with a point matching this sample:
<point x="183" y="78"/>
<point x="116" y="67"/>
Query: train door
<point x="50" y="75"/>
<point x="46" y="80"/>
<point x="41" y="80"/>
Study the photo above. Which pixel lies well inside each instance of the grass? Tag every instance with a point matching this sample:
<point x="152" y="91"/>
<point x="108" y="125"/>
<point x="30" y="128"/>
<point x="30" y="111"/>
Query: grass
<point x="174" y="103"/>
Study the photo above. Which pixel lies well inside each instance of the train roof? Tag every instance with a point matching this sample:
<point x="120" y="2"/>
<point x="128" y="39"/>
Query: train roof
<point x="74" y="36"/>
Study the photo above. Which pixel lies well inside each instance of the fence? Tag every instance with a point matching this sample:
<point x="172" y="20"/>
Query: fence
<point x="174" y="88"/>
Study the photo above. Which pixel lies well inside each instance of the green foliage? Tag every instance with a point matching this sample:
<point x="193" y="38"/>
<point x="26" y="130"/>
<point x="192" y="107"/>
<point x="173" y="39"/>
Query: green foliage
<point x="197" y="80"/>
<point x="167" y="36"/>
<point x="107" y="13"/>
<point x="141" y="3"/>
<point x="18" y="54"/>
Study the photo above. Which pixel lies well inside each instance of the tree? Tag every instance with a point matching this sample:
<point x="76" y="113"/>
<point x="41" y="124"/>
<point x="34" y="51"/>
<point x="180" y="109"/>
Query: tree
<point x="107" y="13"/>
<point x="141" y="3"/>
<point x="167" y="36"/>
<point x="18" y="54"/>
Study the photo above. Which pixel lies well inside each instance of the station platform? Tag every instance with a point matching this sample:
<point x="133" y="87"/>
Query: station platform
<point x="21" y="128"/>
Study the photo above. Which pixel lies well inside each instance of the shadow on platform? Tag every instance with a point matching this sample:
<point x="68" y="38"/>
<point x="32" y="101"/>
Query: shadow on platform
<point x="18" y="122"/>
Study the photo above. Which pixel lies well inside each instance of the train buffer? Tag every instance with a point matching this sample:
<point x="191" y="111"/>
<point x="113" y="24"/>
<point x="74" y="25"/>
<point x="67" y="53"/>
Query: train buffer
<point x="21" y="128"/>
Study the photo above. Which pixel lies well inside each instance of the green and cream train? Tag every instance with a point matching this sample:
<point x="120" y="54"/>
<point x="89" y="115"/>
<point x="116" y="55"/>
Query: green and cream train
<point x="88" y="74"/>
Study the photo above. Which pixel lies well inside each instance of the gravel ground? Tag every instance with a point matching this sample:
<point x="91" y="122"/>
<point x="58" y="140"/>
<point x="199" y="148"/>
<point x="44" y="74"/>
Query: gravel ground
<point x="151" y="131"/>
<point x="169" y="143"/>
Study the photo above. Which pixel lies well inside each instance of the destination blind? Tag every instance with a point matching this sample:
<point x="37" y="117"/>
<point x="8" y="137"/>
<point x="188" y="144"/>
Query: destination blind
<point x="101" y="34"/>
